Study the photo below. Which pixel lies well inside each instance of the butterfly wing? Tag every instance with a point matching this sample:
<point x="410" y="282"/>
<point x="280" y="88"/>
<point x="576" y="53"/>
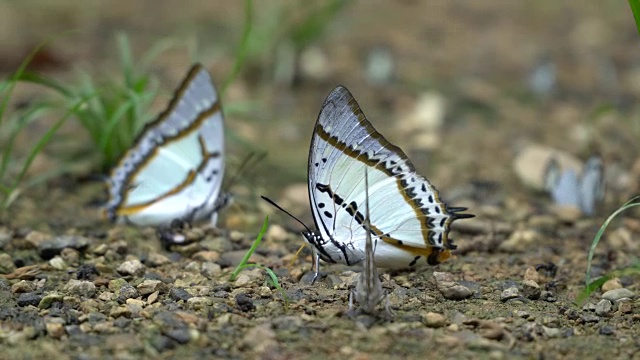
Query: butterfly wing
<point x="175" y="169"/>
<point x="591" y="185"/>
<point x="406" y="212"/>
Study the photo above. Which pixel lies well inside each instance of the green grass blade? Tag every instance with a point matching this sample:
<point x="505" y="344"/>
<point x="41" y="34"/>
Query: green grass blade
<point x="252" y="249"/>
<point x="633" y="270"/>
<point x="11" y="84"/>
<point x="629" y="204"/>
<point x="44" y="140"/>
<point x="635" y="8"/>
<point x="46" y="82"/>
<point x="25" y="119"/>
<point x="126" y="59"/>
<point x="243" y="48"/>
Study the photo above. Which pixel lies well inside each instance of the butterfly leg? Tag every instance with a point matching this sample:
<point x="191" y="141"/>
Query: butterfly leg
<point x="316" y="267"/>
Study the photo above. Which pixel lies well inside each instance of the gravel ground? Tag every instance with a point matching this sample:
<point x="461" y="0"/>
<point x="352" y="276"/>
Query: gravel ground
<point x="471" y="89"/>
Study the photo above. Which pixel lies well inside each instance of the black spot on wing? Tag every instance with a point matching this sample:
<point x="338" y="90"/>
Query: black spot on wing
<point x="414" y="261"/>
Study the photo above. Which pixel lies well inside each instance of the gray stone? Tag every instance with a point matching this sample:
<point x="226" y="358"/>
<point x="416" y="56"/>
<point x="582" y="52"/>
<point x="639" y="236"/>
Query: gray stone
<point x="177" y="294"/>
<point x="617" y="294"/>
<point x="23" y="287"/>
<point x="453" y="290"/>
<point x="6" y="264"/>
<point x="26" y="299"/>
<point x="531" y="289"/>
<point x="131" y="267"/>
<point x="81" y="288"/>
<point x="603" y="307"/>
<point x="509" y="293"/>
<point x="53" y="247"/>
<point x="150" y="286"/>
<point x="126" y="292"/>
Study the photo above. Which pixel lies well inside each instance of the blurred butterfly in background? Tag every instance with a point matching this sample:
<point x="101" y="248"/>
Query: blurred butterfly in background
<point x="582" y="191"/>
<point x="175" y="168"/>
<point x="409" y="222"/>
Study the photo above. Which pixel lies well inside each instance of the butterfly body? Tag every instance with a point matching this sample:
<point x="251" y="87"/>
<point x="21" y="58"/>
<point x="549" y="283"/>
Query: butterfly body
<point x="409" y="222"/>
<point x="174" y="171"/>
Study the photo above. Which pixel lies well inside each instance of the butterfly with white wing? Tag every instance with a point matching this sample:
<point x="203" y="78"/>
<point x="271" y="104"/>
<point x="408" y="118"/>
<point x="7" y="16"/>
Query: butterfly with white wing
<point x="583" y="191"/>
<point x="409" y="222"/>
<point x="175" y="168"/>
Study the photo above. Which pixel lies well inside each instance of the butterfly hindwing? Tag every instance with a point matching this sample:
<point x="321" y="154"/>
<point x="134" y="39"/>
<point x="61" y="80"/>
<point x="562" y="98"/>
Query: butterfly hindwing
<point x="175" y="169"/>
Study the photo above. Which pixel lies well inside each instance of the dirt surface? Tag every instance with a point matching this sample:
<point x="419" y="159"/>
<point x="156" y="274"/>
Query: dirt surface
<point x="465" y="88"/>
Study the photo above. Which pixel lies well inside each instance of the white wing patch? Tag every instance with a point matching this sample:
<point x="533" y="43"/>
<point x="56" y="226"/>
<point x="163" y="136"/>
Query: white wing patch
<point x="406" y="212"/>
<point x="175" y="169"/>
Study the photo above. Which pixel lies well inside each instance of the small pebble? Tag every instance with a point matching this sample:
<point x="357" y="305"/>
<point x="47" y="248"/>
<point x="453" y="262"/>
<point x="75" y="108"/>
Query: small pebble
<point x="6" y="264"/>
<point x="126" y="292"/>
<point x="49" y="299"/>
<point x="86" y="272"/>
<point x="156" y="259"/>
<point x="177" y="294"/>
<point x="23" y="286"/>
<point x="211" y="269"/>
<point x="590" y="318"/>
<point x="531" y="289"/>
<point x="532" y="274"/>
<point x="55" y="330"/>
<point x="211" y="256"/>
<point x="520" y="240"/>
<point x="131" y="267"/>
<point x="333" y="281"/>
<point x="625" y="307"/>
<point x="149" y="286"/>
<point x="244" y="303"/>
<point x="27" y="299"/>
<point x="49" y="249"/>
<point x="70" y="256"/>
<point x="152" y="298"/>
<point x="242" y="280"/>
<point x="453" y="290"/>
<point x="434" y="320"/>
<point x="193" y="267"/>
<point x="58" y="263"/>
<point x="617" y="294"/>
<point x="611" y="284"/>
<point x="80" y="288"/>
<point x="276" y="233"/>
<point x="551" y="332"/>
<point x="199" y="302"/>
<point x="607" y="330"/>
<point x="603" y="307"/>
<point x="509" y="293"/>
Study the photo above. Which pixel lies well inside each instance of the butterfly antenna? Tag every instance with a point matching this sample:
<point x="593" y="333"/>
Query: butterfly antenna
<point x="251" y="159"/>
<point x="284" y="211"/>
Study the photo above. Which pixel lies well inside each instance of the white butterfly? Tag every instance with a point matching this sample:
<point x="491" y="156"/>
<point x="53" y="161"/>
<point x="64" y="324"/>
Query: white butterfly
<point x="583" y="192"/>
<point x="174" y="171"/>
<point x="409" y="222"/>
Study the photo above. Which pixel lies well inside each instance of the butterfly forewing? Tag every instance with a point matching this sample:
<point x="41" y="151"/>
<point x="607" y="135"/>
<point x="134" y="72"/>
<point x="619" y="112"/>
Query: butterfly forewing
<point x="175" y="169"/>
<point x="406" y="212"/>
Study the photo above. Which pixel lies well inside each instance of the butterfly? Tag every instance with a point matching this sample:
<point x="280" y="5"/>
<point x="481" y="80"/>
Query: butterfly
<point x="174" y="169"/>
<point x="409" y="222"/>
<point x="583" y="192"/>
